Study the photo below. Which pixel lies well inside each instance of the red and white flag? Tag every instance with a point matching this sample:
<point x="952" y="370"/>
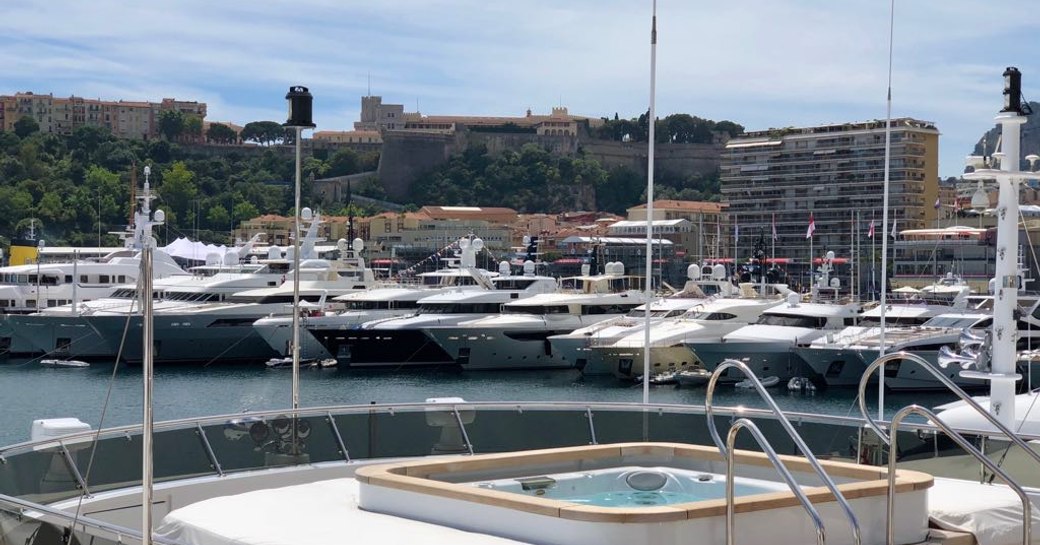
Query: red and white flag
<point x="812" y="226"/>
<point x="870" y="230"/>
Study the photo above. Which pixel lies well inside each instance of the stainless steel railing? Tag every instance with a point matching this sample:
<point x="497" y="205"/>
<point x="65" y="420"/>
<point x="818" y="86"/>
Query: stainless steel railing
<point x="890" y="438"/>
<point x="966" y="445"/>
<point x="945" y="381"/>
<point x="786" y="424"/>
<point x="763" y="443"/>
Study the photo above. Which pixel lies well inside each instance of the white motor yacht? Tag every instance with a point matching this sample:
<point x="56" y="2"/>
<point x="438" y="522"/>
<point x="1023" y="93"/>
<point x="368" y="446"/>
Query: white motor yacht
<point x="404" y="342"/>
<point x="518" y="337"/>
<point x="766" y="345"/>
<point x="708" y="322"/>
<point x="369" y="305"/>
<point x="577" y="346"/>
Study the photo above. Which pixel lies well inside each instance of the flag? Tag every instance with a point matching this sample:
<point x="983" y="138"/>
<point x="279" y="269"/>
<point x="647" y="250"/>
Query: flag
<point x="937" y="205"/>
<point x="894" y="232"/>
<point x="774" y="228"/>
<point x="812" y="226"/>
<point x="870" y="230"/>
<point x="736" y="230"/>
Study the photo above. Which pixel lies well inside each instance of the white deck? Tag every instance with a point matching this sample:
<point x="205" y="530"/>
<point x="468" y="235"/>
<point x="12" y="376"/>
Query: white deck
<point x="318" y="513"/>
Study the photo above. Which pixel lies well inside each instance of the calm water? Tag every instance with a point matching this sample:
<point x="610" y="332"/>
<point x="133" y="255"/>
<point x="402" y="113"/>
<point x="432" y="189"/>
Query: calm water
<point x="28" y="392"/>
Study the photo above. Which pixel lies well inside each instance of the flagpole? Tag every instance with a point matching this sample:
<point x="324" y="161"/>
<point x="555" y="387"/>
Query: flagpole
<point x="736" y="239"/>
<point x="873" y="258"/>
<point x="884" y="213"/>
<point x="812" y="256"/>
<point x="852" y="251"/>
<point x="774" y="238"/>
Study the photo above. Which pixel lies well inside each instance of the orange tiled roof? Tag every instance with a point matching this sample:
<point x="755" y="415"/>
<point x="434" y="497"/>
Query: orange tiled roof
<point x="705" y="206"/>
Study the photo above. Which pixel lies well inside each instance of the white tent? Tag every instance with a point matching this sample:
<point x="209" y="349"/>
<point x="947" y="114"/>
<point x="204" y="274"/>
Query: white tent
<point x="194" y="250"/>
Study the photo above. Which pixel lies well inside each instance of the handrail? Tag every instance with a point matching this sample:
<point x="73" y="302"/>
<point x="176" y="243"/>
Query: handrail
<point x="120" y="532"/>
<point x="883" y="360"/>
<point x="786" y="424"/>
<point x="763" y="443"/>
<point x="966" y="445"/>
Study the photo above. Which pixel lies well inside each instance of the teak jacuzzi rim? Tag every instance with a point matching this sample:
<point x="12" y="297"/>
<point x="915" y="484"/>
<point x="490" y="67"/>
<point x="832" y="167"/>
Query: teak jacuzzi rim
<point x="414" y="476"/>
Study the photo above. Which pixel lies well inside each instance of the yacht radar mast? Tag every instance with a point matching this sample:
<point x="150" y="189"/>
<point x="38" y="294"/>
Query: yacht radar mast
<point x="1005" y="170"/>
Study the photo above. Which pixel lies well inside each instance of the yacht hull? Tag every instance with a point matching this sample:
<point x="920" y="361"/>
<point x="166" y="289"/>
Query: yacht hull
<point x="34" y="335"/>
<point x="493" y="349"/>
<point x="278" y="335"/>
<point x="359" y="348"/>
<point x="627" y="362"/>
<point x="771" y="358"/>
<point x="183" y="339"/>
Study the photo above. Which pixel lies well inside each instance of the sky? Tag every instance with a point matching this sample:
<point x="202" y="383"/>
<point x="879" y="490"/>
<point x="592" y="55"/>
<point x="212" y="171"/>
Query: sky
<point x="760" y="63"/>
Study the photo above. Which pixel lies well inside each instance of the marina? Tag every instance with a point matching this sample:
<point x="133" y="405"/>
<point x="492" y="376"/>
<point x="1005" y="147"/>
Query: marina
<point x="301" y="395"/>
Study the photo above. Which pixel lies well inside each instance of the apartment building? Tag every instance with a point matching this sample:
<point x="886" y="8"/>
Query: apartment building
<point x="126" y="119"/>
<point x="832" y="173"/>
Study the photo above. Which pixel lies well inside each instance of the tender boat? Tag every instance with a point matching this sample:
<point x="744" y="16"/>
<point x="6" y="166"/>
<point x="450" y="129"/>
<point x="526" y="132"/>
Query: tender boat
<point x="74" y="364"/>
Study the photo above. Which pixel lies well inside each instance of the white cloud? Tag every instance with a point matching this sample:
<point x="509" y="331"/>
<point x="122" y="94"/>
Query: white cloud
<point x="761" y="63"/>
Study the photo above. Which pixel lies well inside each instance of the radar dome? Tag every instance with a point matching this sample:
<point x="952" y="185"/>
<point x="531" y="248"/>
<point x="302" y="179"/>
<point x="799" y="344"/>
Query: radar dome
<point x="718" y="272"/>
<point x="306" y="214"/>
<point x="463" y="243"/>
<point x="693" y="272"/>
<point x="212" y="258"/>
<point x="503" y="268"/>
<point x="527" y="240"/>
<point x="230" y="257"/>
<point x="357" y="244"/>
<point x="585" y="269"/>
<point x="274" y="252"/>
<point x="835" y="283"/>
<point x="619" y="268"/>
<point x="478" y="245"/>
<point x="159" y="216"/>
<point x="529" y="267"/>
<point x="341" y="245"/>
<point x="793" y="298"/>
<point x="830" y="256"/>
<point x="290" y="253"/>
<point x="254" y="260"/>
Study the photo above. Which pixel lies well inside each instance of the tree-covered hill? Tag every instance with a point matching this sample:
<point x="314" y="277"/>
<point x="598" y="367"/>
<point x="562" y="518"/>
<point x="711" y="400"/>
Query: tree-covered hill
<point x="63" y="181"/>
<point x="535" y="180"/>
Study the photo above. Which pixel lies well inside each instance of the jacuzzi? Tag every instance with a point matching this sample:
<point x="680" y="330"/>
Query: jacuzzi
<point x="660" y="493"/>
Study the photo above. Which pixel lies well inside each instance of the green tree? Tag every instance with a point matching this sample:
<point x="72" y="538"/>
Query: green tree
<point x="178" y="188"/>
<point x="344" y="162"/>
<point x="263" y="132"/>
<point x="192" y="127"/>
<point x="25" y="126"/>
<point x="171" y="124"/>
<point x="220" y="133"/>
<point x="217" y="218"/>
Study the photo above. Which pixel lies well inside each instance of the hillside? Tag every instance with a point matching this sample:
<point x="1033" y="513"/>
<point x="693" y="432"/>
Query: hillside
<point x="1030" y="136"/>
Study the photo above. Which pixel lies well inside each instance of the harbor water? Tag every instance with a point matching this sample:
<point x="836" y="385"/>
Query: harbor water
<point x="29" y="391"/>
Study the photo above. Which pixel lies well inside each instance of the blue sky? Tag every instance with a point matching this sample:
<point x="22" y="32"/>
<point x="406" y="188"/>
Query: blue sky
<point x="761" y="63"/>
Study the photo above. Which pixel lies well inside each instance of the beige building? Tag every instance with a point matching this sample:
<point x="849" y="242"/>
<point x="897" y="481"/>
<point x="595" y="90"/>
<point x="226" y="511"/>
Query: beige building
<point x="702" y="235"/>
<point x="126" y="119"/>
<point x="348" y="137"/>
<point x="832" y="172"/>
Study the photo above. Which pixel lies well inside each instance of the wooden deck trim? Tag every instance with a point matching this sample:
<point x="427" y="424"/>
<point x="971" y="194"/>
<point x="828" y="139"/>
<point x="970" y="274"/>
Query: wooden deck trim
<point x="414" y="476"/>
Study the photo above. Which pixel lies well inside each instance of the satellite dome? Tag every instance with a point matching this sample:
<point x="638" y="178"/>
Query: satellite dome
<point x="306" y="214"/>
<point x="693" y="272"/>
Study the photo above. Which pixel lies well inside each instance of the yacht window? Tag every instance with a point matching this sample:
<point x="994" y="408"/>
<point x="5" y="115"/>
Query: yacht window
<point x="52" y="302"/>
<point x="458" y="308"/>
<point x="534" y="309"/>
<point x="792" y="320"/>
<point x="68" y="278"/>
<point x="513" y="283"/>
<point x="849" y="322"/>
<point x="103" y="279"/>
<point x="958" y="321"/>
<point x="368" y="305"/>
<point x="23" y="279"/>
<point x="405" y="304"/>
<point x="32" y="278"/>
<point x="605" y="309"/>
<point x="122" y="279"/>
<point x="640" y="313"/>
<point x="714" y="316"/>
<point x="83" y="278"/>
